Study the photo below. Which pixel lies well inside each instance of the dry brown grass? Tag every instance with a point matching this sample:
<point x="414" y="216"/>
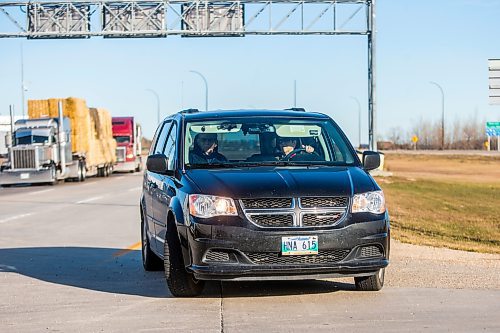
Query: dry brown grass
<point x="450" y="201"/>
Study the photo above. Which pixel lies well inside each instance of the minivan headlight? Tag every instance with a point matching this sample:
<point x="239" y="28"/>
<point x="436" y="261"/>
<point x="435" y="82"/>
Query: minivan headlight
<point x="369" y="202"/>
<point x="206" y="206"/>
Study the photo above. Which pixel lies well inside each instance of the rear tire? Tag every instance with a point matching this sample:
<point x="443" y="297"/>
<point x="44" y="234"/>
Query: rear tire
<point x="150" y="260"/>
<point x="370" y="283"/>
<point x="179" y="281"/>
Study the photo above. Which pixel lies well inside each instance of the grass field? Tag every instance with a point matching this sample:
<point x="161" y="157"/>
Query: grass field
<point x="444" y="201"/>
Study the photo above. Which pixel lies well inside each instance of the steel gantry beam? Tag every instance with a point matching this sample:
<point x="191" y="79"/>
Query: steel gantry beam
<point x="199" y="18"/>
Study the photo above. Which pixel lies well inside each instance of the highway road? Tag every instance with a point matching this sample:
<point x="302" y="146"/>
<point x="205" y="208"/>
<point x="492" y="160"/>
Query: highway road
<point x="70" y="262"/>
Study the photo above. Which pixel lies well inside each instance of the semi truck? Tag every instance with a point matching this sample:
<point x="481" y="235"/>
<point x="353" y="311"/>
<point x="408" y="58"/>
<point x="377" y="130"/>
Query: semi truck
<point x="61" y="140"/>
<point x="128" y="136"/>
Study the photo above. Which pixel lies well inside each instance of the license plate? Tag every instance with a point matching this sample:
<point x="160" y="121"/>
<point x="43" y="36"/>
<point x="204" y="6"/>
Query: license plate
<point x="299" y="245"/>
<point x="25" y="176"/>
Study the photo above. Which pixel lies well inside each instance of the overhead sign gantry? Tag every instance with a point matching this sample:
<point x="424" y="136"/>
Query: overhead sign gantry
<point x="161" y="18"/>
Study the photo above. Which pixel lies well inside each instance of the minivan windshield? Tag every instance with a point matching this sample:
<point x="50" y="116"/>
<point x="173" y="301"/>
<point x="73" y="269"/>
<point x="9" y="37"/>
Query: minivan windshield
<point x="253" y="142"/>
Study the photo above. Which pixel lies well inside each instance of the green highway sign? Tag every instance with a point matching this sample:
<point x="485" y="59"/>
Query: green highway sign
<point x="493" y="128"/>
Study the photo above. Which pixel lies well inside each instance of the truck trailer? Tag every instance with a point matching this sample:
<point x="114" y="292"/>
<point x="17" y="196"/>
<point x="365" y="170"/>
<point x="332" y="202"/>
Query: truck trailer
<point x="128" y="135"/>
<point x="61" y="140"/>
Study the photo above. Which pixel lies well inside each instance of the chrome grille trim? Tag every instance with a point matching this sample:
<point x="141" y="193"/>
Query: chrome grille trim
<point x="312" y="216"/>
<point x="24" y="158"/>
<point x="120" y="154"/>
<point x="267" y="203"/>
<point x="286" y="220"/>
<point x="323" y="202"/>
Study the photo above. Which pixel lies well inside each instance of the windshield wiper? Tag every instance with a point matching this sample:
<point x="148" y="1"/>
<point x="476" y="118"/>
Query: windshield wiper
<point x="209" y="165"/>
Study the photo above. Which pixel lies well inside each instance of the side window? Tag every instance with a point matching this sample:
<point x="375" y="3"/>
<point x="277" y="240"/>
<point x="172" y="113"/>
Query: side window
<point x="157" y="148"/>
<point x="169" y="150"/>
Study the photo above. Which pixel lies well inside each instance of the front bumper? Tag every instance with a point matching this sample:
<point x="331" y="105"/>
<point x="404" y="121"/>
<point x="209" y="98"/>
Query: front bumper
<point x="27" y="176"/>
<point x="125" y="166"/>
<point x="248" y="254"/>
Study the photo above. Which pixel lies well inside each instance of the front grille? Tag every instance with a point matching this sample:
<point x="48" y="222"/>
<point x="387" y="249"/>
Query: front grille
<point x="370" y="251"/>
<point x="316" y="220"/>
<point x="267" y="203"/>
<point x="315" y="202"/>
<point x="273" y="220"/>
<point x="120" y="154"/>
<point x="216" y="256"/>
<point x="24" y="158"/>
<point x="274" y="258"/>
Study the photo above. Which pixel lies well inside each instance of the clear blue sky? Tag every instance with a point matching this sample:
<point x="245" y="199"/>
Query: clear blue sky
<point x="447" y="41"/>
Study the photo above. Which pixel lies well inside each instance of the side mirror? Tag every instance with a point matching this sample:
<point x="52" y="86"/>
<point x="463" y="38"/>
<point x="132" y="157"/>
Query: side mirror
<point x="158" y="163"/>
<point x="371" y="160"/>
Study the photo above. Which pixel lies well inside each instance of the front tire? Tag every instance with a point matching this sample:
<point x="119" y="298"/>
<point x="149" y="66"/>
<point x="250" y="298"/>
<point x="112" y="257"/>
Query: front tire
<point x="179" y="281"/>
<point x="370" y="283"/>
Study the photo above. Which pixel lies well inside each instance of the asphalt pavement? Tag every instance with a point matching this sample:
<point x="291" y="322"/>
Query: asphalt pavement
<point x="70" y="262"/>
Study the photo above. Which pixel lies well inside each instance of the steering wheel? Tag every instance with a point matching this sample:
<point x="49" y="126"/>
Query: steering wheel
<point x="293" y="153"/>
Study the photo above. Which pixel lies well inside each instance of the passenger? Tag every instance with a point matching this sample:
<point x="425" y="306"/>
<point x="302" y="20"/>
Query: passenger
<point x="205" y="150"/>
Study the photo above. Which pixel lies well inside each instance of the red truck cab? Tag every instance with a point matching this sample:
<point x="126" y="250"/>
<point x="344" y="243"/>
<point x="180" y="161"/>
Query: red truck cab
<point x="127" y="134"/>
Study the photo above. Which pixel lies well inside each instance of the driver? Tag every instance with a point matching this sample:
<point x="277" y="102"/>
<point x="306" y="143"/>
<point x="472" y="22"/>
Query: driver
<point x="205" y="150"/>
<point x="288" y="145"/>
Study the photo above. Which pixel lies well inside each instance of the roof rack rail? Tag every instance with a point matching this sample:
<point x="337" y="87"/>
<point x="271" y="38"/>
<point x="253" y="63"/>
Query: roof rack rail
<point x="296" y="109"/>
<point x="190" y="111"/>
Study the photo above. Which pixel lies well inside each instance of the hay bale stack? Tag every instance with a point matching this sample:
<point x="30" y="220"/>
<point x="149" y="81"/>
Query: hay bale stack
<point x="101" y="120"/>
<point x="91" y="132"/>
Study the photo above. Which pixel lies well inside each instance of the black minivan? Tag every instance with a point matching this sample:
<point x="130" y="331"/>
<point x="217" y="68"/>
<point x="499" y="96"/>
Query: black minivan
<point x="260" y="195"/>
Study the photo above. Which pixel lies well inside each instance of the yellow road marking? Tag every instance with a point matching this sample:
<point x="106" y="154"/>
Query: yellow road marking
<point x="128" y="249"/>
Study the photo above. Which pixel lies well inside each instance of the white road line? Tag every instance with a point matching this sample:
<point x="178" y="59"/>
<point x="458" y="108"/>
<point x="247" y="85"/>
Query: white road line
<point x="15" y="217"/>
<point x="42" y="191"/>
<point x="89" y="200"/>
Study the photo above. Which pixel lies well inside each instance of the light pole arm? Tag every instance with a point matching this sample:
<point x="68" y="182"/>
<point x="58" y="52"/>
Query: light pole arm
<point x="206" y="87"/>
<point x="442" y="111"/>
<point x="157" y="104"/>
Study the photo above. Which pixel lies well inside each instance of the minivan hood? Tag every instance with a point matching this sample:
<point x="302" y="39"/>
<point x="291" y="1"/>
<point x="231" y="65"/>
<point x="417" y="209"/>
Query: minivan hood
<point x="281" y="182"/>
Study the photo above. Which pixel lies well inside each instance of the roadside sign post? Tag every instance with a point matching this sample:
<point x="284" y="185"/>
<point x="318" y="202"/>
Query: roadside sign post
<point x="494" y="81"/>
<point x="493" y="129"/>
<point x="414" y="139"/>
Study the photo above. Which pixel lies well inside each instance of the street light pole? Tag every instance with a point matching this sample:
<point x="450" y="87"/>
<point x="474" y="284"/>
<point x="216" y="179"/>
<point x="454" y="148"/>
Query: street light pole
<point x="206" y="88"/>
<point x="22" y="80"/>
<point x="442" y="110"/>
<point x="359" y="119"/>
<point x="157" y="104"/>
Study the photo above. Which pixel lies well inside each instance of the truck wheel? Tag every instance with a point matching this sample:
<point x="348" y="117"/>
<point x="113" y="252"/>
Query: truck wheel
<point x="53" y="175"/>
<point x="84" y="171"/>
<point x="179" y="281"/>
<point x="370" y="283"/>
<point x="79" y="173"/>
<point x="150" y="261"/>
